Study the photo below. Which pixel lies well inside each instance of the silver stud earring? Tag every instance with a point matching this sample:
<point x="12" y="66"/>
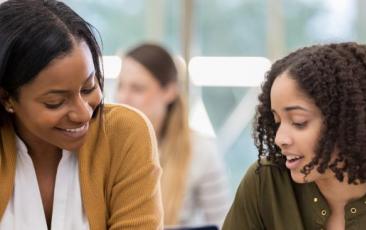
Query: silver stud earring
<point x="10" y="110"/>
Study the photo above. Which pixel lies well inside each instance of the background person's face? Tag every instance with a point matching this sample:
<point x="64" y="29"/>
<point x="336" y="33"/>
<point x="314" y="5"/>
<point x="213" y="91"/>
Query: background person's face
<point x="299" y="123"/>
<point x="55" y="108"/>
<point x="138" y="88"/>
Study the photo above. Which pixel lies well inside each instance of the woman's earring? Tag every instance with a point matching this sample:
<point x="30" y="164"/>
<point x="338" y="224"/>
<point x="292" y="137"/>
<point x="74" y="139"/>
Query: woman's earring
<point x="10" y="110"/>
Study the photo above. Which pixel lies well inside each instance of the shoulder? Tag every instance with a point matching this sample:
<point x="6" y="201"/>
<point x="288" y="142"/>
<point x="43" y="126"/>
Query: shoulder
<point x="264" y="200"/>
<point x="266" y="177"/>
<point x="122" y="121"/>
<point x="127" y="128"/>
<point x="271" y="185"/>
<point x="265" y="168"/>
<point x="125" y="117"/>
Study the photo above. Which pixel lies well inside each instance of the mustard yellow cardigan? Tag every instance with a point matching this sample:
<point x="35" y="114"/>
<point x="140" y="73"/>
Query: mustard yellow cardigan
<point x="119" y="171"/>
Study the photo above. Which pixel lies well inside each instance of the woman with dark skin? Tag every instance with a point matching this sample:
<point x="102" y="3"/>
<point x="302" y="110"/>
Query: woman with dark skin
<point x="67" y="161"/>
<point x="310" y="130"/>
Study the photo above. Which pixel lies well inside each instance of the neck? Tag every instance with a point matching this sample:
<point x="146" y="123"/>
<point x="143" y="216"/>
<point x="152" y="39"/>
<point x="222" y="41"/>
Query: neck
<point x="340" y="193"/>
<point x="40" y="152"/>
<point x="50" y="155"/>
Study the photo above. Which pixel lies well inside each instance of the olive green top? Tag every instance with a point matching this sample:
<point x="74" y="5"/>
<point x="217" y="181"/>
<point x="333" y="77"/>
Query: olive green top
<point x="270" y="200"/>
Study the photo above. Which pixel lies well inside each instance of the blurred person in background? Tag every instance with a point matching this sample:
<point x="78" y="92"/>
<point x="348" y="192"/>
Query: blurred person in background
<point x="310" y="132"/>
<point x="194" y="183"/>
<point x="68" y="161"/>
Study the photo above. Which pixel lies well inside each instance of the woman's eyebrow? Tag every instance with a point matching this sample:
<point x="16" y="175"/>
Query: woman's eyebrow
<point x="295" y="107"/>
<point x="62" y="91"/>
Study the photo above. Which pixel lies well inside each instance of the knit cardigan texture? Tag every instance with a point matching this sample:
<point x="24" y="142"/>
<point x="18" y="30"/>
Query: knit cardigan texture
<point x="118" y="167"/>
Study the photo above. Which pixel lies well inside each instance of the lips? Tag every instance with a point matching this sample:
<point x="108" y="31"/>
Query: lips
<point x="293" y="161"/>
<point x="76" y="129"/>
<point x="76" y="132"/>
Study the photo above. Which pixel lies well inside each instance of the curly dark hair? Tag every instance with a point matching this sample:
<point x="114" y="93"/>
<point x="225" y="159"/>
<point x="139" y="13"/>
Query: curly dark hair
<point x="334" y="76"/>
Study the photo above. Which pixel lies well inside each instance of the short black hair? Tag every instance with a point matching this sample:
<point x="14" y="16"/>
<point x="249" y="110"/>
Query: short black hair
<point x="32" y="34"/>
<point x="334" y="76"/>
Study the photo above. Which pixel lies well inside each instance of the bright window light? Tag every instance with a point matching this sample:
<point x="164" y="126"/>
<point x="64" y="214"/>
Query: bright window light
<point x="112" y="66"/>
<point x="199" y="120"/>
<point x="228" y="71"/>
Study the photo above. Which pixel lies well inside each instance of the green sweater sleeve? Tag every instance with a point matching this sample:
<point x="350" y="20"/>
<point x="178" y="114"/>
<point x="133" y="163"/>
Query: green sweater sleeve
<point x="245" y="212"/>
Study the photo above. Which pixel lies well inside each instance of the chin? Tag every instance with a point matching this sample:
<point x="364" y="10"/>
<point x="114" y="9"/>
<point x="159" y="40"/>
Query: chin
<point x="72" y="147"/>
<point x="299" y="177"/>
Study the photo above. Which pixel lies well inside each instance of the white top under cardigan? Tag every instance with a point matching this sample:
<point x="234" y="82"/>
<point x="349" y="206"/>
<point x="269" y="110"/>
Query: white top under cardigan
<point x="25" y="208"/>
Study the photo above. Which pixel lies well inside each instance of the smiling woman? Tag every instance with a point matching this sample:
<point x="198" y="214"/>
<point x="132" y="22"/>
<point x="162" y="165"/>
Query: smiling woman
<point x="54" y="110"/>
<point x="310" y="132"/>
<point x="76" y="163"/>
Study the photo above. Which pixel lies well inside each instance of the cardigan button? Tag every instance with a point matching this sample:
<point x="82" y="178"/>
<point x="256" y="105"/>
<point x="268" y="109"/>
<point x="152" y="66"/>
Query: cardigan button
<point x="315" y="199"/>
<point x="324" y="212"/>
<point x="353" y="210"/>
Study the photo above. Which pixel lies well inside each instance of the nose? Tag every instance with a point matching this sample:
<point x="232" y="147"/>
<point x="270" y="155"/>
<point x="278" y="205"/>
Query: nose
<point x="81" y="112"/>
<point x="283" y="138"/>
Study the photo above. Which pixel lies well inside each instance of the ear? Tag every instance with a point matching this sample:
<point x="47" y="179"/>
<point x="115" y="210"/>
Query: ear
<point x="170" y="92"/>
<point x="6" y="101"/>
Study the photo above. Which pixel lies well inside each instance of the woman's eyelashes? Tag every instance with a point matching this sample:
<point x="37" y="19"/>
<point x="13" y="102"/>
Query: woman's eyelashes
<point x="53" y="105"/>
<point x="56" y="105"/>
<point x="88" y="90"/>
<point x="297" y="125"/>
<point x="300" y="125"/>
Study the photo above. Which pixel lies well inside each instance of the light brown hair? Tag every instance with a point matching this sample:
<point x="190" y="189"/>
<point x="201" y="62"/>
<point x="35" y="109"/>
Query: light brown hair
<point x="174" y="140"/>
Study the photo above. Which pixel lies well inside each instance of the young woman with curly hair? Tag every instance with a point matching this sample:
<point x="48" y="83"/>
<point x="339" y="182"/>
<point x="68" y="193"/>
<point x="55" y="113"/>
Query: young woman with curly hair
<point x="310" y="131"/>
